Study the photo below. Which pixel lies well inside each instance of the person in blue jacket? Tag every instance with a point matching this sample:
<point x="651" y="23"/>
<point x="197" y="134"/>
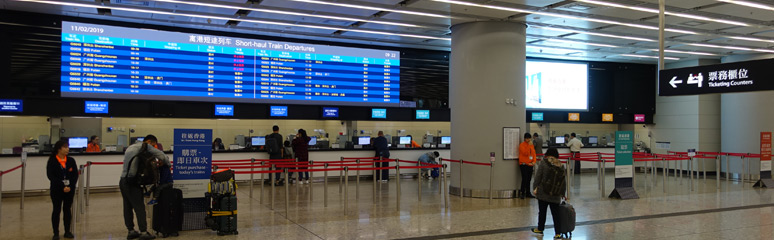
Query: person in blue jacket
<point x="382" y="150"/>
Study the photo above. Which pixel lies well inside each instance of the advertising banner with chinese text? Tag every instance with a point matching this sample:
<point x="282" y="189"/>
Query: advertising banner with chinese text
<point x="192" y="161"/>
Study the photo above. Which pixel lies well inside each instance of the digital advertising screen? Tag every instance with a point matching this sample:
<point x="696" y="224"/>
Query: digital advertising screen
<point x="95" y="107"/>
<point x="101" y="61"/>
<point x="556" y="85"/>
<point x="278" y="111"/>
<point x="224" y="110"/>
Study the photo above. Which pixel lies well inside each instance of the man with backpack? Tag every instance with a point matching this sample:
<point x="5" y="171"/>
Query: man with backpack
<point x="137" y="171"/>
<point x="275" y="150"/>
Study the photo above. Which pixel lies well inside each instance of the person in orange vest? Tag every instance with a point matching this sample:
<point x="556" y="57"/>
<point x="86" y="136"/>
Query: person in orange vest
<point x="527" y="158"/>
<point x="62" y="171"/>
<point x="93" y="144"/>
<point x="413" y="143"/>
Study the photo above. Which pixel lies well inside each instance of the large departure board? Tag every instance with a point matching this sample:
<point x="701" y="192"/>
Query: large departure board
<point x="101" y="61"/>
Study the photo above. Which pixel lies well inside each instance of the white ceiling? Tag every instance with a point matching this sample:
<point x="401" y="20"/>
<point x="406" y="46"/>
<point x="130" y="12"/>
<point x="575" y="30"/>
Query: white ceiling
<point x="576" y="29"/>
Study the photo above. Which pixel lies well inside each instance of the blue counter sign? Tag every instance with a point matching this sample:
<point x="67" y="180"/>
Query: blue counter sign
<point x="279" y="111"/>
<point x="423" y="114"/>
<point x="330" y="112"/>
<point x="97" y="107"/>
<point x="224" y="110"/>
<point x="11" y="105"/>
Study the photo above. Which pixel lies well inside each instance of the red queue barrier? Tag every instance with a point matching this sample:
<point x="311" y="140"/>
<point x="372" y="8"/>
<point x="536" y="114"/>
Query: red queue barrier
<point x="23" y="165"/>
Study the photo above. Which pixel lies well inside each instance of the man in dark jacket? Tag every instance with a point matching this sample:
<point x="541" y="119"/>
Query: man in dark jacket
<point x="382" y="150"/>
<point x="278" y="154"/>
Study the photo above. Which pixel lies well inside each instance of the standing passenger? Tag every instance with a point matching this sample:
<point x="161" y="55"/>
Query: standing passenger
<point x="132" y="192"/>
<point x="275" y="150"/>
<point x="550" y="187"/>
<point x="62" y="171"/>
<point x="537" y="141"/>
<point x="301" y="149"/>
<point x="382" y="150"/>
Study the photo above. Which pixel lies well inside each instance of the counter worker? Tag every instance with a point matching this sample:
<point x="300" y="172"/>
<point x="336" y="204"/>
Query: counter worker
<point x="131" y="192"/>
<point x="575" y="145"/>
<point x="428" y="158"/>
<point x="62" y="171"/>
<point x="527" y="158"/>
<point x="413" y="143"/>
<point x="93" y="145"/>
<point x="382" y="150"/>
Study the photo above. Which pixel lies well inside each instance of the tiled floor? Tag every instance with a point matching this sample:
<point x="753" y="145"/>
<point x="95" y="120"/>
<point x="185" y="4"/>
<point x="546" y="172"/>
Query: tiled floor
<point x="733" y="212"/>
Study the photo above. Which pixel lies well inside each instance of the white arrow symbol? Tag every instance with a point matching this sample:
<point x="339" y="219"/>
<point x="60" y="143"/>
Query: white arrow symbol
<point x="674" y="81"/>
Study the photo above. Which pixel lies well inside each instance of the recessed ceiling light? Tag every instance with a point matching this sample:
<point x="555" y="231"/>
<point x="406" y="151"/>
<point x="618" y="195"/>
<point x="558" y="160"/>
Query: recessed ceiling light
<point x="579" y="7"/>
<point x="749" y="4"/>
<point x="692" y="23"/>
<point x="656" y="11"/>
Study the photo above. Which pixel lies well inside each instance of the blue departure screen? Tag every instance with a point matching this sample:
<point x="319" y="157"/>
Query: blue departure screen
<point x="101" y="61"/>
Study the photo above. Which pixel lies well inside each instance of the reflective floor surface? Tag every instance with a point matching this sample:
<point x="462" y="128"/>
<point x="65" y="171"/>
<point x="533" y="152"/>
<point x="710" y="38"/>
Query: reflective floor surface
<point x="735" y="211"/>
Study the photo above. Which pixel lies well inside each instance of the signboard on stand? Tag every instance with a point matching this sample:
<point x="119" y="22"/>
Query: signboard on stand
<point x="624" y="168"/>
<point x="766" y="180"/>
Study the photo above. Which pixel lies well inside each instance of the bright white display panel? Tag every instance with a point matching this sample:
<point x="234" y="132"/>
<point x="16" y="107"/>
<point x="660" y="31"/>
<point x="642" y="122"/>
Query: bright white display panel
<point x="556" y="85"/>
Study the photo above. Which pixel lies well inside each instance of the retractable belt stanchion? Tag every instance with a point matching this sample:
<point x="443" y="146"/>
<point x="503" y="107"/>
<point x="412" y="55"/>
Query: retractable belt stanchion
<point x="664" y="164"/>
<point x="599" y="174"/>
<point x="357" y="180"/>
<point x="681" y="170"/>
<point x="287" y="194"/>
<point x="691" y="171"/>
<point x="419" y="181"/>
<point x="325" y="185"/>
<point x="263" y="181"/>
<point x="341" y="174"/>
<point x="311" y="176"/>
<point x="603" y="178"/>
<point x="374" y="177"/>
<point x="88" y="182"/>
<point x="742" y="171"/>
<point x="252" y="177"/>
<point x="346" y="191"/>
<point x="717" y="171"/>
<point x="446" y="195"/>
<point x="728" y="170"/>
<point x="271" y="177"/>
<point x="23" y="180"/>
<point x="491" y="173"/>
<point x="461" y="189"/>
<point x="397" y="184"/>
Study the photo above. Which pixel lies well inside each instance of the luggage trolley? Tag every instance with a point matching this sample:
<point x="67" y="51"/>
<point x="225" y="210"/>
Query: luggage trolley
<point x="221" y="195"/>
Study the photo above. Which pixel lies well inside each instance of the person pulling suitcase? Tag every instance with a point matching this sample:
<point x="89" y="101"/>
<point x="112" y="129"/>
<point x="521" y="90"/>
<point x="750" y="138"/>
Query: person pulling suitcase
<point x="549" y="188"/>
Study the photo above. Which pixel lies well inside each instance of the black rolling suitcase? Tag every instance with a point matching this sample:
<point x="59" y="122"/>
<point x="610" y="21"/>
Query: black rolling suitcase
<point x="168" y="212"/>
<point x="566" y="220"/>
<point x="222" y="212"/>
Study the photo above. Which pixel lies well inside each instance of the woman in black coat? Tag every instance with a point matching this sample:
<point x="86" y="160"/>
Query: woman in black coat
<point x="62" y="171"/>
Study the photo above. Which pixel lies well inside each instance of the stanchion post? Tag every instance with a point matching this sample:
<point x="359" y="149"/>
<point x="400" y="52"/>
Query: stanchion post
<point x="491" y="184"/>
<point x="602" y="187"/>
<point x="271" y="178"/>
<point x="374" y="177"/>
<point x="346" y="191"/>
<point x="287" y="194"/>
<point x="341" y="174"/>
<point x="717" y="171"/>
<point x="419" y="183"/>
<point x="80" y="192"/>
<point x="690" y="165"/>
<point x="728" y="170"/>
<point x="599" y="173"/>
<point x="325" y="185"/>
<point x="357" y="180"/>
<point x="680" y="162"/>
<point x="664" y="164"/>
<point x="446" y="195"/>
<point x="263" y="180"/>
<point x="397" y="185"/>
<point x="24" y="178"/>
<point x="311" y="176"/>
<point x="742" y="172"/>
<point x="252" y="176"/>
<point x="462" y="192"/>
<point x="1" y="197"/>
<point x="704" y="168"/>
<point x="88" y="182"/>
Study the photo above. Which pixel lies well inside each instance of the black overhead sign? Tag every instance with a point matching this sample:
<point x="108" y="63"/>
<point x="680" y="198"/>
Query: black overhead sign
<point x="747" y="76"/>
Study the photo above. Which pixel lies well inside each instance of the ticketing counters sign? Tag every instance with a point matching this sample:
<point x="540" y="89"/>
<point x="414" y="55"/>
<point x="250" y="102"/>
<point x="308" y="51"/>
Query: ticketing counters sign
<point x="192" y="161"/>
<point x="720" y="78"/>
<point x="624" y="168"/>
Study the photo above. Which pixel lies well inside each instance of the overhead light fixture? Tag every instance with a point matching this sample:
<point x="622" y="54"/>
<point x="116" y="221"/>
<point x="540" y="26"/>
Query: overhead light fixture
<point x="563" y="16"/>
<point x="752" y="39"/>
<point x="289" y="13"/>
<point x="596" y="34"/>
<point x="579" y="42"/>
<point x="656" y="11"/>
<point x="685" y="52"/>
<point x="647" y="56"/>
<point x="750" y="4"/>
<point x="374" y="8"/>
<point x="236" y="19"/>
<point x="731" y="47"/>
